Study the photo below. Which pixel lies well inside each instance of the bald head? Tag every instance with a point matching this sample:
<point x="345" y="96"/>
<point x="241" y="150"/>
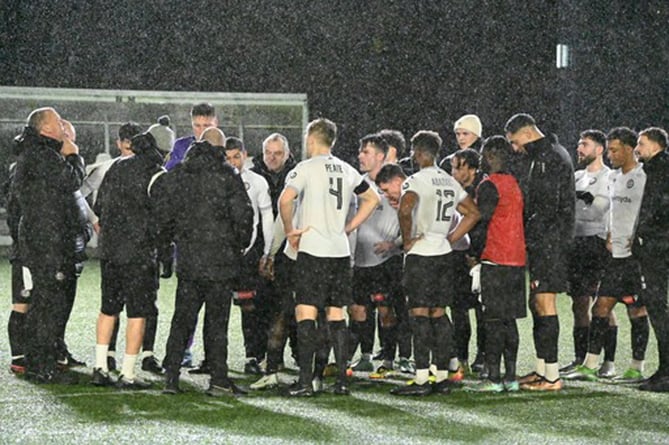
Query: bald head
<point x="214" y="136"/>
<point x="47" y="122"/>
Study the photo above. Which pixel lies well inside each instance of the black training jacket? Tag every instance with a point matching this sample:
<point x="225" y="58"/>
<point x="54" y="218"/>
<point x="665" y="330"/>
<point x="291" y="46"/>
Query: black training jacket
<point x="652" y="234"/>
<point x="202" y="206"/>
<point x="549" y="196"/>
<point x="44" y="184"/>
<point x="127" y="226"/>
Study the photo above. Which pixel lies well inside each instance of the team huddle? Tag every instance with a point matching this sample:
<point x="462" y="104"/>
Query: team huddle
<point x="318" y="254"/>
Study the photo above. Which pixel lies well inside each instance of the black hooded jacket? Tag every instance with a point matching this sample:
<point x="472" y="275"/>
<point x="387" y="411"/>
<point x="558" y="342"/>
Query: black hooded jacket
<point x="43" y="203"/>
<point x="127" y="226"/>
<point x="652" y="236"/>
<point x="202" y="206"/>
<point x="549" y="195"/>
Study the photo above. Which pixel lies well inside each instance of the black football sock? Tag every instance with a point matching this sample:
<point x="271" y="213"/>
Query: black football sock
<point x="639" y="337"/>
<point x="249" y="327"/>
<point x="306" y="337"/>
<point x="322" y="345"/>
<point x="276" y="343"/>
<point x="580" y="334"/>
<point x="441" y="329"/>
<point x="150" y="328"/>
<point x="404" y="338"/>
<point x="549" y="337"/>
<point x="495" y="341"/>
<point x="537" y="325"/>
<point x="421" y="341"/>
<point x="511" y="344"/>
<point x="598" y="328"/>
<point x="114" y="336"/>
<point x="462" y="332"/>
<point x="610" y="344"/>
<point x="367" y="334"/>
<point x="15" y="330"/>
<point x="355" y="332"/>
<point x="390" y="343"/>
<point x="404" y="333"/>
<point x="480" y="330"/>
<point x="339" y="336"/>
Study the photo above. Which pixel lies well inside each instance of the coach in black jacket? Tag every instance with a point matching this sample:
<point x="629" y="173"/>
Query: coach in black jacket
<point x="549" y="230"/>
<point x="203" y="207"/>
<point x="274" y="165"/>
<point x="48" y="172"/>
<point x="651" y="245"/>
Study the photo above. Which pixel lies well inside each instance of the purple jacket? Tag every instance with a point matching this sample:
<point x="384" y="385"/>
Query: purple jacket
<point x="178" y="152"/>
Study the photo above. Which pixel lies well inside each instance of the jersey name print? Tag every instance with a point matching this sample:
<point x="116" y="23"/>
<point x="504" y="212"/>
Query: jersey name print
<point x="325" y="186"/>
<point x="438" y="196"/>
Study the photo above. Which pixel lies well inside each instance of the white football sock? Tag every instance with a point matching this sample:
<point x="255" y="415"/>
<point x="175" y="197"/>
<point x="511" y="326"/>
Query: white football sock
<point x="101" y="357"/>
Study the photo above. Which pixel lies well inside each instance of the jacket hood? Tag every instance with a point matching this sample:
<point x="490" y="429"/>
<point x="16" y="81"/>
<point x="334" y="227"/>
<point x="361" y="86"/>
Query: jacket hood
<point x="204" y="156"/>
<point x="29" y="136"/>
<point x="144" y="146"/>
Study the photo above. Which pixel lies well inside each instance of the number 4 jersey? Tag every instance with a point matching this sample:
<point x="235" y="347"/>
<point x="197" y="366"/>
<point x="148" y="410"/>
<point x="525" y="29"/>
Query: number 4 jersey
<point x="438" y="196"/>
<point x="325" y="186"/>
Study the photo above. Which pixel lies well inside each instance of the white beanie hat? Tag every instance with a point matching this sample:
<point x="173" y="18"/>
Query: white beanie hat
<point x="469" y="122"/>
<point x="163" y="133"/>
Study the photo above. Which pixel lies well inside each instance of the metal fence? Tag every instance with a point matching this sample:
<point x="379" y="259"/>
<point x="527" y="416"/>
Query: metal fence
<point x="97" y="115"/>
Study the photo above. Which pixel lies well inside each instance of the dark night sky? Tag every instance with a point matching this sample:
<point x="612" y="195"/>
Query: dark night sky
<point x="366" y="65"/>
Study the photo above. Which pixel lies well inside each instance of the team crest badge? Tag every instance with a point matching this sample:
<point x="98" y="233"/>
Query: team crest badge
<point x="630" y="183"/>
<point x="593" y="180"/>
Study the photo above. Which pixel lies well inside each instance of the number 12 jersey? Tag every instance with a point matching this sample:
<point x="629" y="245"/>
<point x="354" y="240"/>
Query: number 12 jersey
<point x="438" y="196"/>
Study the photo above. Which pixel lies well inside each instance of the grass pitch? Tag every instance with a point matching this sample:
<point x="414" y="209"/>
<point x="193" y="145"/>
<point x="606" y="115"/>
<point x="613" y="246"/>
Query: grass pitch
<point x="581" y="413"/>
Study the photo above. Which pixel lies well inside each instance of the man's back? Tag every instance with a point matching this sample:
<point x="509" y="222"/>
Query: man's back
<point x="325" y="185"/>
<point x="438" y="196"/>
<point x="126" y="234"/>
<point x="204" y="208"/>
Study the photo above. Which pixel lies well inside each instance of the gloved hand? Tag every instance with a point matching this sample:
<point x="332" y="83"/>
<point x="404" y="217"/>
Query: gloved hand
<point x="475" y="273"/>
<point x="166" y="260"/>
<point x="167" y="267"/>
<point x="586" y="197"/>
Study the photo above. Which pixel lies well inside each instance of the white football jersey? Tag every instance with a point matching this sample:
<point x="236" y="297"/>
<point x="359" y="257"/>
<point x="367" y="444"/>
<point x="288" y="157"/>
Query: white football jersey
<point x="258" y="192"/>
<point x="591" y="218"/>
<point x="438" y="196"/>
<point x="626" y="192"/>
<point x="325" y="185"/>
<point x="382" y="225"/>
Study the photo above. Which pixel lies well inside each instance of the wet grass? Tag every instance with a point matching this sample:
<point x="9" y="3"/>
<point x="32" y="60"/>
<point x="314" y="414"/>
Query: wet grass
<point x="582" y="412"/>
